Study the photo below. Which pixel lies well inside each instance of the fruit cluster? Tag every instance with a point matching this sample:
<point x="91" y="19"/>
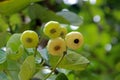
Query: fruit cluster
<point x="59" y="41"/>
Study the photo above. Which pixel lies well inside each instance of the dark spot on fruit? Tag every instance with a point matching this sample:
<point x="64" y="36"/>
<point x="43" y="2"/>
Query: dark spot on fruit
<point x="76" y="41"/>
<point x="29" y="40"/>
<point x="52" y="31"/>
<point x="57" y="47"/>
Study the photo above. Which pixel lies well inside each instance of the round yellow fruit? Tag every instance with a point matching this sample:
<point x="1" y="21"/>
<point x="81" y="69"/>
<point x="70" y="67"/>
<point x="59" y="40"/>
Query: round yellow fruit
<point x="74" y="40"/>
<point x="56" y="46"/>
<point x="52" y="29"/>
<point x="29" y="39"/>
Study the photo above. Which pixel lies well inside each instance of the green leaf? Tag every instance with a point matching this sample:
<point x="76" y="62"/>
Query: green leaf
<point x="72" y="61"/>
<point x="8" y="7"/>
<point x="2" y="56"/>
<point x="13" y="69"/>
<point x="27" y="69"/>
<point x="61" y="76"/>
<point x="3" y="25"/>
<point x="3" y="66"/>
<point x="73" y="18"/>
<point x="14" y="47"/>
<point x="38" y="12"/>
<point x="14" y="20"/>
<point x="14" y="42"/>
<point x="3" y="76"/>
<point x="3" y="38"/>
<point x="16" y="55"/>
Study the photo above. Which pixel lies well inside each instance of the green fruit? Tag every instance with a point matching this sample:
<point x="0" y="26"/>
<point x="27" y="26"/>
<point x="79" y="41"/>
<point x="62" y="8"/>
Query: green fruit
<point x="29" y="39"/>
<point x="52" y="29"/>
<point x="56" y="46"/>
<point x="74" y="40"/>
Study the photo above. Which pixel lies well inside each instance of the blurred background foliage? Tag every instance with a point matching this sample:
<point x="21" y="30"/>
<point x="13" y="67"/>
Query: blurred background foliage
<point x="97" y="20"/>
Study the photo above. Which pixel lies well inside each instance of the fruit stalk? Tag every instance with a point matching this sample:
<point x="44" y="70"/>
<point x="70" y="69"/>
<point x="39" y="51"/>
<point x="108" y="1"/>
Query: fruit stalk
<point x="59" y="61"/>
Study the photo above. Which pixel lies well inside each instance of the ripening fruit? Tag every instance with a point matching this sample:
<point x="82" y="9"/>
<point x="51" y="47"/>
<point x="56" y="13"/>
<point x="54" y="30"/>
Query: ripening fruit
<point x="63" y="32"/>
<point x="56" y="46"/>
<point x="52" y="29"/>
<point x="29" y="39"/>
<point x="74" y="40"/>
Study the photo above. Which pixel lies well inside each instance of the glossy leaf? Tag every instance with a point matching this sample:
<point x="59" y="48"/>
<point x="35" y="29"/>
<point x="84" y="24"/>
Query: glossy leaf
<point x="73" y="18"/>
<point x="3" y="38"/>
<point x="3" y="25"/>
<point x="16" y="55"/>
<point x="27" y="69"/>
<point x="13" y="69"/>
<point x="14" y="47"/>
<point x="3" y="66"/>
<point x="3" y="76"/>
<point x="8" y="7"/>
<point x="38" y="12"/>
<point x="3" y="56"/>
<point x="72" y="61"/>
<point x="14" y="42"/>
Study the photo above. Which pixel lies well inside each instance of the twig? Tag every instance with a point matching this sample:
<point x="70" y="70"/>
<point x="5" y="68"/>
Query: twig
<point x="59" y="61"/>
